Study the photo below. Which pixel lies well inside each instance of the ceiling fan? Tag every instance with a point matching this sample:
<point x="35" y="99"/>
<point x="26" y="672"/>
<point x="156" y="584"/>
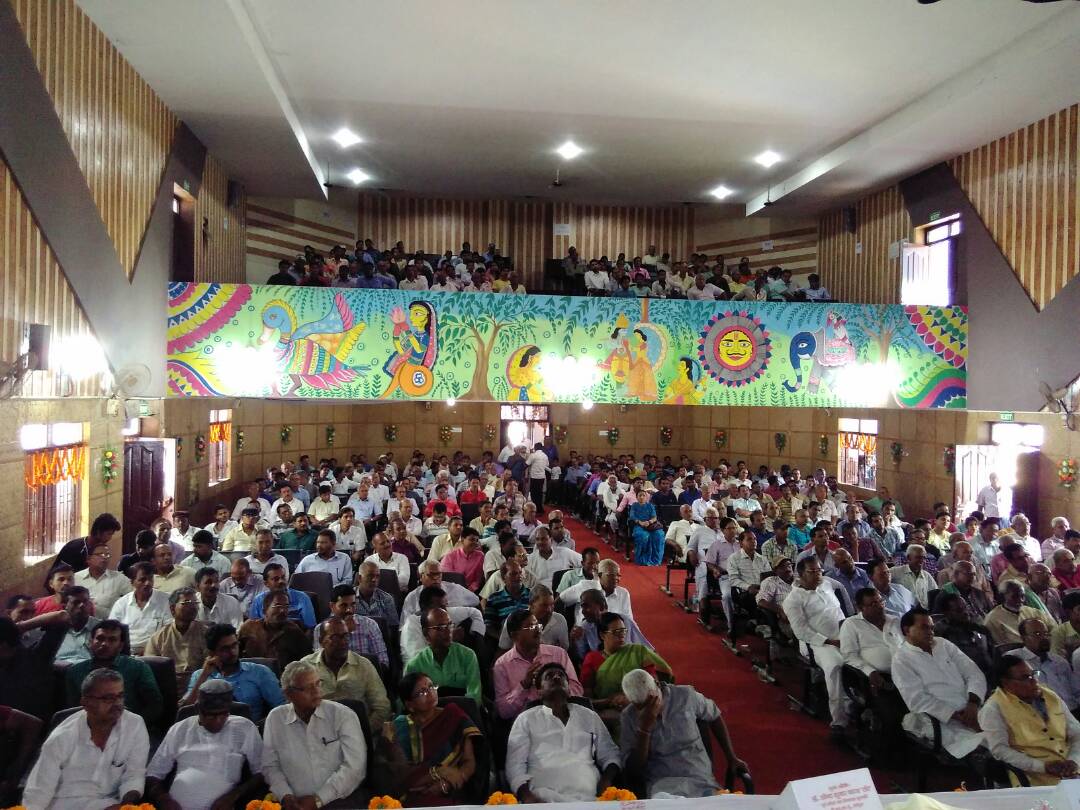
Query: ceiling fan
<point x="1057" y="401"/>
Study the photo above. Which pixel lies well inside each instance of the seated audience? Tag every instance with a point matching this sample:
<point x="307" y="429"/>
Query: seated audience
<point x="364" y="635"/>
<point x="1003" y="622"/>
<point x="513" y="597"/>
<point x="602" y="670"/>
<point x="661" y="739"/>
<point x="648" y="534"/>
<point x="849" y="575"/>
<point x="963" y="629"/>
<point x="515" y="671"/>
<point x="546" y="558"/>
<point x="328" y="559"/>
<point x="433" y="744"/>
<point x="76" y="552"/>
<point x="141" y="693"/>
<point x="447" y="537"/>
<point x="207" y="752"/>
<point x="466" y="559"/>
<point x="144" y="610"/>
<point x="169" y="577"/>
<point x="19" y="737"/>
<point x="203" y="555"/>
<point x="870" y="637"/>
<point x="252" y="683"/>
<point x="346" y="675"/>
<point x="264" y="555"/>
<point x="371" y="600"/>
<point x="25" y="667"/>
<point x="60" y="576"/>
<point x="586" y="633"/>
<point x="898" y="599"/>
<point x="779" y="546"/>
<point x="1028" y="726"/>
<point x="184" y="640"/>
<point x="104" y="584"/>
<point x="553" y="629"/>
<point x="559" y="751"/>
<point x="145" y="542"/>
<point x="214" y="606"/>
<point x="913" y="576"/>
<point x="389" y="560"/>
<point x="300" y="608"/>
<point x="590" y="560"/>
<point x="242" y="585"/>
<point x="1052" y="670"/>
<point x="446" y="662"/>
<point x="936" y="679"/>
<point x="1042" y="584"/>
<point x="464" y="619"/>
<point x="300" y="537"/>
<point x="608" y="577"/>
<point x="815" y="615"/>
<point x="96" y="758"/>
<point x="963" y="577"/>
<point x="274" y="635"/>
<point x="430" y="574"/>
<point x="314" y="753"/>
<point x="76" y="644"/>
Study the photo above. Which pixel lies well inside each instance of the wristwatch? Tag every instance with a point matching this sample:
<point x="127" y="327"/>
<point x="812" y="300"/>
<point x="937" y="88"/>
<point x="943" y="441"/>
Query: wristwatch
<point x="318" y="802"/>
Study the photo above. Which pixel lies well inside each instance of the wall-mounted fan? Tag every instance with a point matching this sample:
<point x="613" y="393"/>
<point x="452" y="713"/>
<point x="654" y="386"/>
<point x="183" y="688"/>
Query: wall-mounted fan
<point x="1058" y="401"/>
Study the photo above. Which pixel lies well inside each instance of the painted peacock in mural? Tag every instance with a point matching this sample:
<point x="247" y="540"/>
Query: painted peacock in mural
<point x="313" y="353"/>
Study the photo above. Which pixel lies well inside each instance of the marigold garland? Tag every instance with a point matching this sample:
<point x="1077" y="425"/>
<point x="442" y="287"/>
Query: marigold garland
<point x="286" y="432"/>
<point x="498" y="797"/>
<point x="108" y="466"/>
<point x="1067" y="473"/>
<point x="445" y="433"/>
<point x="665" y="435"/>
<point x="143" y="806"/>
<point x="389" y="433"/>
<point x="262" y="804"/>
<point x="720" y="438"/>
<point x="220" y="431"/>
<point x="613" y="435"/>
<point x="614" y="794"/>
<point x="54" y="464"/>
<point x="383" y="803"/>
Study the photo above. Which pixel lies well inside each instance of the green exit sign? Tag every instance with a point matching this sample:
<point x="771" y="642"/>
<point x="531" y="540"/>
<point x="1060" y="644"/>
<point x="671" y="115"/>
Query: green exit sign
<point x="1007" y="416"/>
<point x="935" y="216"/>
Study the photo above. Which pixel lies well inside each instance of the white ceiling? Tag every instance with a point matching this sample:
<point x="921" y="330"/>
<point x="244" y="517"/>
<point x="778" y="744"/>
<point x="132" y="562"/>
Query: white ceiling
<point x="668" y="98"/>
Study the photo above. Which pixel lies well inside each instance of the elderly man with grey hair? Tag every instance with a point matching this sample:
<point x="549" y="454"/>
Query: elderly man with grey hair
<point x="96" y="758"/>
<point x="208" y="751"/>
<point x="660" y="738"/>
<point x="431" y="577"/>
<point x="914" y="577"/>
<point x="314" y="754"/>
<point x="1056" y="540"/>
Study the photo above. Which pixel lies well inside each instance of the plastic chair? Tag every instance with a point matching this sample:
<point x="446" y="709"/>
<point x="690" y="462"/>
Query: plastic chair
<point x="556" y="578"/>
<point x="317" y="583"/>
<point x="164" y="670"/>
<point x="388" y="582"/>
<point x="457" y="579"/>
<point x="479" y="786"/>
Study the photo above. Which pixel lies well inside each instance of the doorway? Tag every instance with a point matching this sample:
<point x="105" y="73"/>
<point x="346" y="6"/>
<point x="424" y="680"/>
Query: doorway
<point x="524" y="424"/>
<point x="1014" y="457"/>
<point x="149" y="484"/>
<point x="182" y="264"/>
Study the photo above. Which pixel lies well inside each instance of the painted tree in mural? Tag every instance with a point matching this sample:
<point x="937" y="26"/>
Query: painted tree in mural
<point x="885" y="327"/>
<point x="479" y="327"/>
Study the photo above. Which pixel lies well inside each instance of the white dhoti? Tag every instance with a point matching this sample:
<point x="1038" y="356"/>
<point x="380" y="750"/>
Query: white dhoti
<point x="956" y="738"/>
<point x="831" y="662"/>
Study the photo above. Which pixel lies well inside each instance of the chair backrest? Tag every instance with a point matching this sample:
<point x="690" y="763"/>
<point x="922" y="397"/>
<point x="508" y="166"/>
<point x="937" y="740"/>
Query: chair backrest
<point x="319" y="583"/>
<point x="455" y="577"/>
<point x="360" y="708"/>
<point x="320" y="612"/>
<point x="62" y="715"/>
<point x="556" y="578"/>
<point x="451" y="692"/>
<point x="478" y="787"/>
<point x="237" y="709"/>
<point x="469" y="512"/>
<point x="292" y="556"/>
<point x="388" y="582"/>
<point x="668" y="513"/>
<point x="164" y="670"/>
<point x="269" y="663"/>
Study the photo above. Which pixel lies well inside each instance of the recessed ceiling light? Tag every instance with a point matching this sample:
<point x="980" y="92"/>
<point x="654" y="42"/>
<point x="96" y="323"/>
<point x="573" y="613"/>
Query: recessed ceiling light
<point x="357" y="176"/>
<point x="720" y="192"/>
<point x="767" y="158"/>
<point x="569" y="150"/>
<point x="345" y="138"/>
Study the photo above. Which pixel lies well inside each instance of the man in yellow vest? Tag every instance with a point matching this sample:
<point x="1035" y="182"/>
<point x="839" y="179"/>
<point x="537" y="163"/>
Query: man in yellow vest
<point x="1029" y="727"/>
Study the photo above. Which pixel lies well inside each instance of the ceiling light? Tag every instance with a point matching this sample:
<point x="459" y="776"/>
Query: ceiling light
<point x="451" y="402"/>
<point x="345" y="138"/>
<point x="767" y="158"/>
<point x="569" y="150"/>
<point x="720" y="192"/>
<point x="357" y="176"/>
<point x="586" y="404"/>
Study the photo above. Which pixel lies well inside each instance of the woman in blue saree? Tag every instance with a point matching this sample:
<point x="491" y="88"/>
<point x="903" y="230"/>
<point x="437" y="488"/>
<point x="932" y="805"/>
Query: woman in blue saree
<point x="648" y="534"/>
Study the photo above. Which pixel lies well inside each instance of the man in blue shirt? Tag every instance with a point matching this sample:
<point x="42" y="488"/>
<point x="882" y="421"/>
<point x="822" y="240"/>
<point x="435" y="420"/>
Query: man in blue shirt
<point x="253" y="684"/>
<point x="690" y="492"/>
<point x="300" y="607"/>
<point x="848" y="574"/>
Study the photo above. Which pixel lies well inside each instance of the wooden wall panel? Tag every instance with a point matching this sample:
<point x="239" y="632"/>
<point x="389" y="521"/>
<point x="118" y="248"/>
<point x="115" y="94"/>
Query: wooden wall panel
<point x="273" y="233"/>
<point x="33" y="289"/>
<point x="599" y="230"/>
<point x="795" y="250"/>
<point x="120" y="131"/>
<point x="1026" y="188"/>
<point x="869" y="277"/>
<point x="220" y="245"/>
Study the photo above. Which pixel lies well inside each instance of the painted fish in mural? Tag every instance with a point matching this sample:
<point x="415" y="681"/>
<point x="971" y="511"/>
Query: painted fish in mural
<point x="312" y="353"/>
<point x="830" y="348"/>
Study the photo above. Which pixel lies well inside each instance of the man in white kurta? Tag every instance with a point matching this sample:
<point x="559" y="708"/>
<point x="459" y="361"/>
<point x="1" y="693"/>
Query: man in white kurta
<point x="679" y="531"/>
<point x="869" y="639"/>
<point x="814" y="613"/>
<point x="935" y="678"/>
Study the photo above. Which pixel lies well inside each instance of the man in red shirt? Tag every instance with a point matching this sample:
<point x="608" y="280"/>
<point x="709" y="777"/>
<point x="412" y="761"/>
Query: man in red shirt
<point x="452" y="509"/>
<point x="475" y="493"/>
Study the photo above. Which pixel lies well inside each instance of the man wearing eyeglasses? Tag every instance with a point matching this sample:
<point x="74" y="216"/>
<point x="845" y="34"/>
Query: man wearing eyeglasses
<point x="141" y="693"/>
<point x="1050" y="669"/>
<point x="446" y="662"/>
<point x="105" y="585"/>
<point x="515" y="672"/>
<point x="314" y="754"/>
<point x="97" y="757"/>
<point x="184" y="640"/>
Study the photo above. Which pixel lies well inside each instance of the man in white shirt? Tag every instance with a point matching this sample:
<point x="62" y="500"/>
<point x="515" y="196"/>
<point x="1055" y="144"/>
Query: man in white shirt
<point x="607" y="581"/>
<point x="913" y="576"/>
<point x="349" y="534"/>
<point x="559" y="751"/>
<point x="216" y="607"/>
<point x="597" y="281"/>
<point x="144" y="610"/>
<point x="1021" y="530"/>
<point x="288" y="499"/>
<point x="701" y="540"/>
<point x="746" y="567"/>
<point x="314" y="752"/>
<point x="608" y="494"/>
<point x="935" y="678"/>
<point x="815" y="292"/>
<point x="241" y="539"/>
<point x="413" y="280"/>
<point x="1056" y="540"/>
<point x="95" y="759"/>
<point x="324" y="509"/>
<point x="389" y="560"/>
<point x="242" y="585"/>
<point x="253" y="488"/>
<point x="208" y="752"/>
<point x="327" y="558"/>
<point x="104" y="584"/>
<point x="703" y="290"/>
<point x="870" y="637"/>
<point x="264" y="555"/>
<point x="990" y="498"/>
<point x="815" y="615"/>
<point x="183" y="531"/>
<point x="431" y="577"/>
<point x="827" y="509"/>
<point x="538" y="466"/>
<point x="679" y="531"/>
<point x="546" y="559"/>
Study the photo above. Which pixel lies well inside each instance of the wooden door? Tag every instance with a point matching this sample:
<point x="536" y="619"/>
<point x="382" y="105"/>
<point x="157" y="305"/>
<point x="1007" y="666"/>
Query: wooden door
<point x="144" y="486"/>
<point x="974" y="462"/>
<point x="1025" y="493"/>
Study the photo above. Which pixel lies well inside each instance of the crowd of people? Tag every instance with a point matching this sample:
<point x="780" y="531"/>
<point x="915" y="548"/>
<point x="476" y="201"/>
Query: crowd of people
<point x="653" y="275"/>
<point x="455" y="631"/>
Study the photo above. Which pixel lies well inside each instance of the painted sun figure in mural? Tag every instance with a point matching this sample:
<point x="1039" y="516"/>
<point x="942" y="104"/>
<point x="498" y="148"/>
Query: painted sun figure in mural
<point x="735" y="348"/>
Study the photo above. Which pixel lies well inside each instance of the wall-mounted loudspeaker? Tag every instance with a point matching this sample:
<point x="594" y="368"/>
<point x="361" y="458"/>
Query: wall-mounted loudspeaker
<point x="850" y="220"/>
<point x="36" y="336"/>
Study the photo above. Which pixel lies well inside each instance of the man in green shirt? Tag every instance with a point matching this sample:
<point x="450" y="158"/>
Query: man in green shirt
<point x="141" y="693"/>
<point x="445" y="661"/>
<point x="299" y="536"/>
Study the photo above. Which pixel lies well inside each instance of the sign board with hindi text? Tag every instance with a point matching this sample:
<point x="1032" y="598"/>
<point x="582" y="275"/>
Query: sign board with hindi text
<point x="850" y="790"/>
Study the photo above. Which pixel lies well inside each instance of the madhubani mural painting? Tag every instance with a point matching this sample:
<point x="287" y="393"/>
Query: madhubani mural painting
<point x="314" y="343"/>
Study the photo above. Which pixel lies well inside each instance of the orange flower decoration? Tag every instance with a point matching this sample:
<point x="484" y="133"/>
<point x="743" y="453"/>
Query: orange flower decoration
<point x="262" y="804"/>
<point x="501" y="798"/>
<point x="614" y="794"/>
<point x="383" y="803"/>
<point x="143" y="806"/>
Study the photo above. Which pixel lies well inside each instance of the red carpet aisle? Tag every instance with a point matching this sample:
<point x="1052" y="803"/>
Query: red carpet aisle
<point x="778" y="744"/>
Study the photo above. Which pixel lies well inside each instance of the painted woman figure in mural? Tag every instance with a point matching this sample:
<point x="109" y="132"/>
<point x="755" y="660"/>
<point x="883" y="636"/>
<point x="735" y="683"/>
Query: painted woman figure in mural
<point x="618" y="361"/>
<point x="523" y="372"/>
<point x="838" y="348"/>
<point x="642" y="381"/>
<point x="688" y="385"/>
<point x="410" y="367"/>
